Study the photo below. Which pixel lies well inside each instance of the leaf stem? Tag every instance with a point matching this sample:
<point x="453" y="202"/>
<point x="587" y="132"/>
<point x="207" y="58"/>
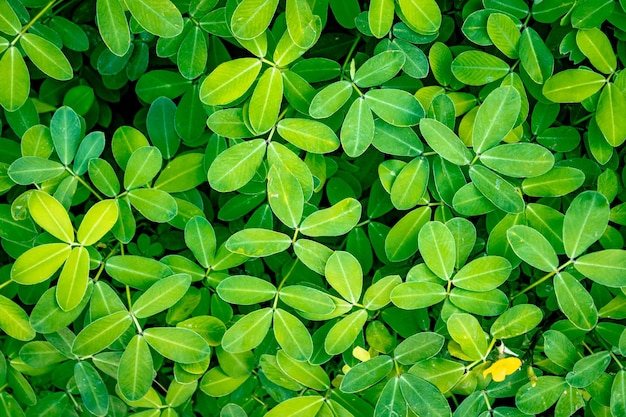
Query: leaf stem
<point x="282" y="282"/>
<point x="5" y="283"/>
<point x="33" y="21"/>
<point x="543" y="279"/>
<point x="84" y="183"/>
<point x="346" y="62"/>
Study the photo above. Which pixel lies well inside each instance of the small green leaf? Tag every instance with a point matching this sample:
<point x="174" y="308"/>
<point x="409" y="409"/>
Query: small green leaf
<point x="478" y="68"/>
<point x="414" y="295"/>
<point x="445" y="142"/>
<point x="378" y="295"/>
<point x="92" y="389"/>
<point x="14" y="320"/>
<point x="336" y="220"/>
<point x="516" y="321"/>
<point x="483" y="274"/>
<point x="487" y="303"/>
<point x="135" y="370"/>
<point x="248" y="332"/>
<point x="618" y="393"/>
<point x="588" y="369"/>
<point x="292" y="335"/>
<point x="155" y="205"/>
<point x="466" y="331"/>
<point x="217" y="384"/>
<point x="266" y="100"/>
<point x="497" y="190"/>
<point x="162" y="295"/>
<point x="183" y="173"/>
<point x="391" y="401"/>
<point x="200" y="239"/>
<point x="252" y="17"/>
<point x="9" y="21"/>
<point x="397" y="141"/>
<point x="245" y="290"/>
<point x="98" y="220"/>
<point x="380" y="17"/>
<point x="99" y="334"/>
<point x="235" y="167"/>
<point x="611" y="114"/>
<point x="379" y="69"/>
<point x="575" y="302"/>
<point x="345" y="332"/>
<point x="422" y="397"/>
<point x="113" y="26"/>
<point x="537" y="396"/>
<point x="136" y="271"/>
<point x="66" y="132"/>
<point x="229" y="81"/>
<point x="365" y="374"/>
<point x="330" y="99"/>
<point x="596" y="46"/>
<point x="312" y="376"/>
<point x="532" y="247"/>
<point x="402" y="241"/>
<point x="304" y="27"/>
<point x="495" y="118"/>
<point x="559" y="181"/>
<point x="504" y="34"/>
<point x="344" y="273"/>
<point x="48" y="213"/>
<point x="178" y="344"/>
<point x="34" y="170"/>
<point x="285" y="195"/>
<point x="536" y="58"/>
<point x="161" y="126"/>
<point x="192" y="54"/>
<point x="396" y="107"/>
<point x="305" y="406"/>
<point x="159" y="17"/>
<point x="518" y="159"/>
<point x="47" y="57"/>
<point x="418" y="347"/>
<point x="409" y="187"/>
<point x="423" y="16"/>
<point x="559" y="349"/>
<point x="437" y="246"/>
<point x="309" y="135"/>
<point x="606" y="267"/>
<point x="258" y="242"/>
<point x="307" y="299"/>
<point x="16" y="87"/>
<point x="572" y="85"/>
<point x="585" y="221"/>
<point x="73" y="280"/>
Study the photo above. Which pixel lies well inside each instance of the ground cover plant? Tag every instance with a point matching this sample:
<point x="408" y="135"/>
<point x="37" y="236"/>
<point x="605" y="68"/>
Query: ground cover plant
<point x="312" y="208"/>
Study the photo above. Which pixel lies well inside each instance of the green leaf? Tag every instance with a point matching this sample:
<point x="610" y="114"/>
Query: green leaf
<point x="258" y="242"/>
<point x="537" y="396"/>
<point x="418" y="347"/>
<point x="378" y="295"/>
<point x="409" y="187"/>
<point x="292" y="335"/>
<point x="217" y="384"/>
<point x="437" y="246"/>
<point x="585" y="221"/>
<point x="92" y="389"/>
<point x="397" y="141"/>
<point x="330" y="99"/>
<point x="422" y="397"/>
<point x="280" y="155"/>
<point x="618" y="393"/>
<point x="423" y="16"/>
<point x="466" y="331"/>
<point x="9" y="21"/>
<point x="247" y="332"/>
<point x="47" y="317"/>
<point x="312" y="376"/>
<point x="344" y="273"/>
<point x="536" y="58"/>
<point x="229" y="81"/>
<point x="285" y="195"/>
<point x="304" y="27"/>
<point x="157" y="83"/>
<point x="483" y="274"/>
<point x="245" y="290"/>
<point x="192" y="54"/>
<point x="307" y="299"/>
<point x="98" y="220"/>
<point x="14" y="91"/>
<point x="414" y="295"/>
<point x="183" y="173"/>
<point x="504" y="34"/>
<point x="445" y="142"/>
<point x="47" y="57"/>
<point x="136" y="271"/>
<point x="113" y="26"/>
<point x="73" y="280"/>
<point x="486" y="303"/>
<point x="575" y="302"/>
<point x="532" y="247"/>
<point x="559" y="181"/>
<point x="336" y="220"/>
<point x="517" y="320"/>
<point x="611" y="114"/>
<point x="305" y="406"/>
<point x="252" y="17"/>
<point x="159" y="17"/>
<point x="365" y="374"/>
<point x="572" y="85"/>
<point x="344" y="332"/>
<point x="266" y="100"/>
<point x="200" y="239"/>
<point x="391" y="402"/>
<point x="178" y="344"/>
<point x="14" y="320"/>
<point x="402" y="241"/>
<point x="588" y="369"/>
<point x="155" y="205"/>
<point x="99" y="334"/>
<point x="39" y="263"/>
<point x="496" y="189"/>
<point x="309" y="135"/>
<point x="235" y="167"/>
<point x="396" y="107"/>
<point x="66" y="132"/>
<point x="380" y="17"/>
<point x="518" y="159"/>
<point x="135" y="370"/>
<point x="162" y="295"/>
<point x="478" y="68"/>
<point x="559" y="349"/>
<point x="606" y="267"/>
<point x="596" y="46"/>
<point x="161" y="126"/>
<point x="495" y="118"/>
<point x="34" y="170"/>
<point x="379" y="69"/>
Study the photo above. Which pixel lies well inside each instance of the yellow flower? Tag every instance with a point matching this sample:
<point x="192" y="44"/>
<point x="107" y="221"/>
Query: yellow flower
<point x="502" y="367"/>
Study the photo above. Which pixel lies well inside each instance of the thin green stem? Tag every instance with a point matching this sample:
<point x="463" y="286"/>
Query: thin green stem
<point x="5" y="283"/>
<point x="543" y="279"/>
<point x="282" y="282"/>
<point x="85" y="184"/>
<point x="346" y="62"/>
<point x="33" y="21"/>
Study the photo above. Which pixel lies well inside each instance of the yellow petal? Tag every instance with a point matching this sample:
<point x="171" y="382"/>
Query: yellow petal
<point x="361" y="354"/>
<point x="503" y="367"/>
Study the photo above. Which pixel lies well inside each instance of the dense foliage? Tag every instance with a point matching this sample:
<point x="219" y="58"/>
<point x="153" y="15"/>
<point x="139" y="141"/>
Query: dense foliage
<point x="312" y="208"/>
